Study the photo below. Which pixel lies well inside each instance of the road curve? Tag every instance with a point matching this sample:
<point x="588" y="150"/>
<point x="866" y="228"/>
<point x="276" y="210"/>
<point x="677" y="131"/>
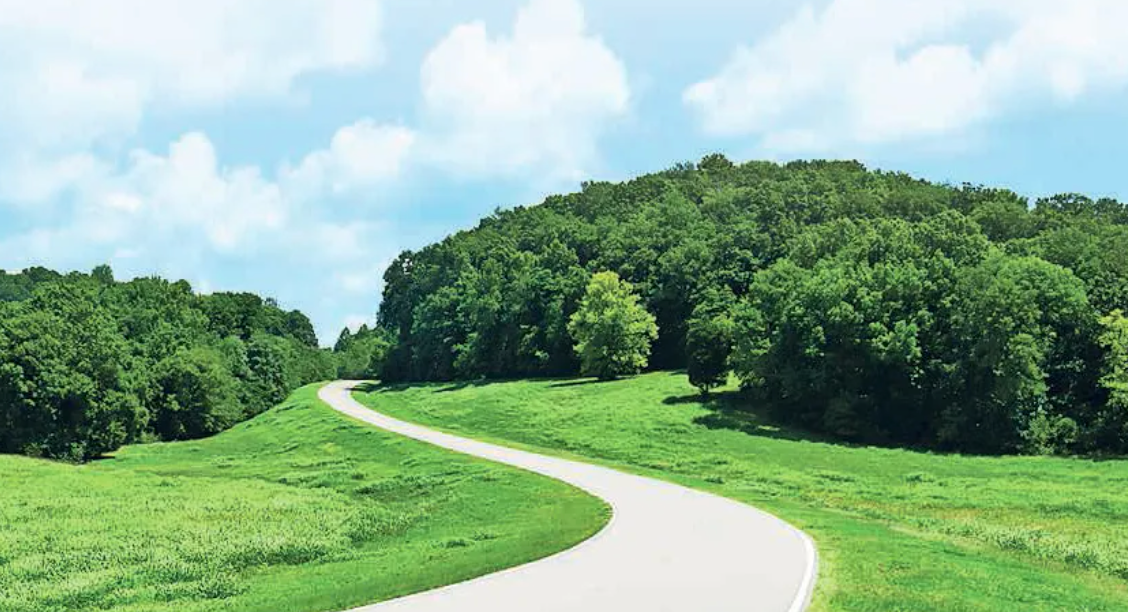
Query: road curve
<point x="666" y="548"/>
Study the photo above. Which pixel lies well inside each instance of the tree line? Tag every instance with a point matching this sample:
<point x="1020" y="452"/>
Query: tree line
<point x="88" y="364"/>
<point x="869" y="305"/>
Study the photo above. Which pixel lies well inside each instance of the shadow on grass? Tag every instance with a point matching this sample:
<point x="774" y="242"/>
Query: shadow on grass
<point x="582" y="382"/>
<point x="436" y="387"/>
<point x="369" y="387"/>
<point x="732" y="410"/>
<point x="464" y="384"/>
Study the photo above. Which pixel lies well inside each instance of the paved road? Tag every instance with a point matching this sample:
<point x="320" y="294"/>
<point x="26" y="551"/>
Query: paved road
<point x="667" y="548"/>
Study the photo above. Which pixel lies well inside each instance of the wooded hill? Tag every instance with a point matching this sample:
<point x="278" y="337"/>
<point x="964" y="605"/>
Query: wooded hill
<point x="88" y="364"/>
<point x="870" y="305"/>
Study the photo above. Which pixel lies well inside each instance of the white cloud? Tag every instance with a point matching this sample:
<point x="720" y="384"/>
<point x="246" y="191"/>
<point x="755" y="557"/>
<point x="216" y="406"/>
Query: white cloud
<point x="360" y="156"/>
<point x="180" y="203"/>
<point x="188" y="190"/>
<point x="861" y="72"/>
<point x="537" y="98"/>
<point x="198" y="51"/>
<point x="338" y="242"/>
<point x="31" y="178"/>
<point x="80" y="74"/>
<point x="166" y="206"/>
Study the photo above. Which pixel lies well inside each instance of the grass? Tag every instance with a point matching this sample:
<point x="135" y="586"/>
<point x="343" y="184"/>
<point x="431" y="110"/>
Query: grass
<point x="300" y="509"/>
<point x="896" y="530"/>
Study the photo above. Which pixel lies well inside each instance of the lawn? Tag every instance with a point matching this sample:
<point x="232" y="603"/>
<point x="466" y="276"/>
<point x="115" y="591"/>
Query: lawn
<point x="300" y="509"/>
<point x="897" y="530"/>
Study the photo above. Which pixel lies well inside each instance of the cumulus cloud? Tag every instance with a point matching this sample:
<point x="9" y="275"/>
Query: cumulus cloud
<point x="163" y="202"/>
<point x="167" y="204"/>
<point x="863" y="72"/>
<point x="359" y="156"/>
<point x="199" y="51"/>
<point x="80" y="74"/>
<point x="188" y="189"/>
<point x="539" y="97"/>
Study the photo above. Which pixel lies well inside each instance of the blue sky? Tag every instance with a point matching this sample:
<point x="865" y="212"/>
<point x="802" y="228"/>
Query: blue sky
<point x="293" y="147"/>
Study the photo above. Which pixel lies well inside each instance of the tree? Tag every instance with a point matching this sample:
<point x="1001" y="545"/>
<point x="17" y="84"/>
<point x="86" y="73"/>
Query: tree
<point x="64" y="392"/>
<point x="709" y="341"/>
<point x="1114" y="339"/>
<point x="195" y="396"/>
<point x="361" y="355"/>
<point x="88" y="363"/>
<point x="1114" y="420"/>
<point x="612" y="332"/>
<point x="103" y="274"/>
<point x="1019" y="330"/>
<point x="266" y="383"/>
<point x="839" y="336"/>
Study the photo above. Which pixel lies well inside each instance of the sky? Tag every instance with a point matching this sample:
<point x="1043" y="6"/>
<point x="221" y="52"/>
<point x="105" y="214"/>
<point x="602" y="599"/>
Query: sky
<point x="294" y="147"/>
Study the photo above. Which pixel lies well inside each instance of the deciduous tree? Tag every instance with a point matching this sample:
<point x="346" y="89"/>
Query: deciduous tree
<point x="612" y="331"/>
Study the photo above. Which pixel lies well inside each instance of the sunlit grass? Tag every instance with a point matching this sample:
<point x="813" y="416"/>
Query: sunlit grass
<point x="896" y="530"/>
<point x="300" y="509"/>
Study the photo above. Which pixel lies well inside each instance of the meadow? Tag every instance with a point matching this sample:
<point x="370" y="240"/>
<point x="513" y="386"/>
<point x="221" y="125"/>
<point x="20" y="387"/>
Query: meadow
<point x="297" y="510"/>
<point x="896" y="529"/>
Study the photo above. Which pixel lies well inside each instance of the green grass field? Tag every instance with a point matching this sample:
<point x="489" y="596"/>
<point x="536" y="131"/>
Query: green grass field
<point x="896" y="530"/>
<point x="300" y="509"/>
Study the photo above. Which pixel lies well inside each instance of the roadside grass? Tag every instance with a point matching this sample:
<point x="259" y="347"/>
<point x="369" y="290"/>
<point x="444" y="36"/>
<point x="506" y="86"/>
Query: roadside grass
<point x="897" y="530"/>
<point x="299" y="510"/>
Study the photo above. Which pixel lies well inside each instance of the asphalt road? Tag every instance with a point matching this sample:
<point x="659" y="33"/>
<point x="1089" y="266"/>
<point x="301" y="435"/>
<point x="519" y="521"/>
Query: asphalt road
<point x="666" y="547"/>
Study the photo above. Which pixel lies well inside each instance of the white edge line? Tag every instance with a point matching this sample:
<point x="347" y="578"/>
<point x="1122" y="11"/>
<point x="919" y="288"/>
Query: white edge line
<point x="807" y="586"/>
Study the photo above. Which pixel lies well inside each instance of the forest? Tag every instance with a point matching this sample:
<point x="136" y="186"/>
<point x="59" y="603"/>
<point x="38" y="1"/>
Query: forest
<point x="88" y="364"/>
<point x="867" y="305"/>
<point x="871" y="306"/>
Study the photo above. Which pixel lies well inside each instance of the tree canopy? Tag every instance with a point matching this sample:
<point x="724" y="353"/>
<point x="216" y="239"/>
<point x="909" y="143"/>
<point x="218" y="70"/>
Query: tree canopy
<point x="612" y="332"/>
<point x="867" y="304"/>
<point x="88" y="364"/>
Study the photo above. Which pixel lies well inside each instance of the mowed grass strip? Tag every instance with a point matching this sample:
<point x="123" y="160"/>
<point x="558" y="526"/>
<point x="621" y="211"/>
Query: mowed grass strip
<point x="301" y="509"/>
<point x="897" y="530"/>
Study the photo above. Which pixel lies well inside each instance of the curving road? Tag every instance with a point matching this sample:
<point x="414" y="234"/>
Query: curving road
<point x="666" y="548"/>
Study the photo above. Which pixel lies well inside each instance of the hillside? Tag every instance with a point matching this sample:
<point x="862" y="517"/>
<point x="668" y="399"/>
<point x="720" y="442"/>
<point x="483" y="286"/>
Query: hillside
<point x="297" y="510"/>
<point x="869" y="305"/>
<point x="88" y="363"/>
<point x="896" y="530"/>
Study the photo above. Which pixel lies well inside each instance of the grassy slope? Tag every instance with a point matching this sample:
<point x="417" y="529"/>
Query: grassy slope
<point x="897" y="530"/>
<point x="299" y="509"/>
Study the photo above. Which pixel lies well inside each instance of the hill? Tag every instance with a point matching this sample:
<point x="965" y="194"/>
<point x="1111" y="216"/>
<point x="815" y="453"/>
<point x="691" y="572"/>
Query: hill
<point x="896" y="529"/>
<point x="88" y="363"/>
<point x="297" y="510"/>
<point x="869" y="305"/>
